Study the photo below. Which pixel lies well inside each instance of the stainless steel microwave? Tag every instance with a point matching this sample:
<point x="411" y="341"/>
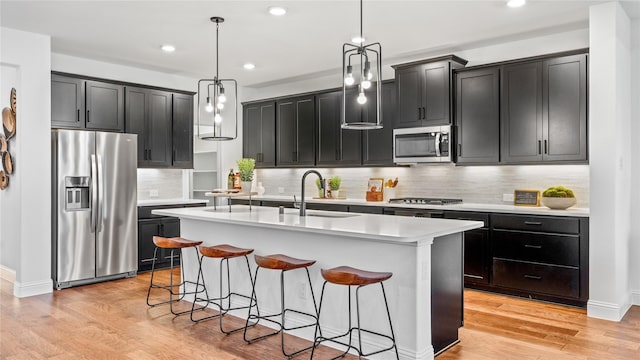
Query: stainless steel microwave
<point x="422" y="145"/>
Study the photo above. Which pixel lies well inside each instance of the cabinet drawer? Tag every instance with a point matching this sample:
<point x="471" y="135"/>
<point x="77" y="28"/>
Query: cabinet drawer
<point x="271" y="203"/>
<point x="464" y="215"/>
<point x="543" y="279"/>
<point x="366" y="209"/>
<point x="541" y="248"/>
<point x="327" y="207"/>
<point x="536" y="223"/>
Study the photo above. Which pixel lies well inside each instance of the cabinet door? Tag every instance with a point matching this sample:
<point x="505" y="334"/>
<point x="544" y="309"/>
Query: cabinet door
<point x="170" y="227"/>
<point x="521" y="113"/>
<point x="409" y="95"/>
<point x="104" y="106"/>
<point x="336" y="147"/>
<point x="477" y="116"/>
<point x="565" y="108"/>
<point x="436" y="89"/>
<point x="147" y="229"/>
<point x="295" y="121"/>
<point x="67" y="102"/>
<point x="135" y="116"/>
<point x="158" y="128"/>
<point x="182" y="131"/>
<point x="259" y="133"/>
<point x="476" y="256"/>
<point x="377" y="145"/>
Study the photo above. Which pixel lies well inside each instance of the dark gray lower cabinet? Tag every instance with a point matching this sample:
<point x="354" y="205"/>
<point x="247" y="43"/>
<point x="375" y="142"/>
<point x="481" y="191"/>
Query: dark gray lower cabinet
<point x="477" y="116"/>
<point x="147" y="229"/>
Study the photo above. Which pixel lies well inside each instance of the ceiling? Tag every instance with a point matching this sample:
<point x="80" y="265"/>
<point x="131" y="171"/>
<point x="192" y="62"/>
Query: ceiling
<point x="307" y="40"/>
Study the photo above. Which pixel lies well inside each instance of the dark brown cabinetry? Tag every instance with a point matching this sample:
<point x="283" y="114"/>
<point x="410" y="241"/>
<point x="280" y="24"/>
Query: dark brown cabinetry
<point x="336" y="146"/>
<point x="80" y="104"/>
<point x="477" y="116"/>
<point x="424" y="91"/>
<point x="544" y="110"/>
<point x="259" y="133"/>
<point x="295" y="135"/>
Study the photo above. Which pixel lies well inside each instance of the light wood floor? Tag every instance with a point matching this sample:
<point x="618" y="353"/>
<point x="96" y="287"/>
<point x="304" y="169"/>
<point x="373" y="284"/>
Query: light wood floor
<point x="111" y="321"/>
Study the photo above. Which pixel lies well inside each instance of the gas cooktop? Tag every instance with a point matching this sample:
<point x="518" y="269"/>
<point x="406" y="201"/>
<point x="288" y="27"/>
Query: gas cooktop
<point x="426" y="201"/>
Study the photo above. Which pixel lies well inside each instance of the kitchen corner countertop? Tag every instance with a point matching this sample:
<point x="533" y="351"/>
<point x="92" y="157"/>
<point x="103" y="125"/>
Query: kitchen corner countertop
<point x="393" y="229"/>
<point x="160" y="202"/>
<point x="496" y="208"/>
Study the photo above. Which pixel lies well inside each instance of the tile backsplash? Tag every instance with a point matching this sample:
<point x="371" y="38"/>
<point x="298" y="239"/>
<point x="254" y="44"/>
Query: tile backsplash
<point x="160" y="184"/>
<point x="473" y="184"/>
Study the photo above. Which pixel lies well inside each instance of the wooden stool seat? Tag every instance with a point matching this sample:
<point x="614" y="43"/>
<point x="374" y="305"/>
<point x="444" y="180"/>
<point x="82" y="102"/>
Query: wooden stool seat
<point x="345" y="275"/>
<point x="282" y="262"/>
<point x="174" y="243"/>
<point x="224" y="251"/>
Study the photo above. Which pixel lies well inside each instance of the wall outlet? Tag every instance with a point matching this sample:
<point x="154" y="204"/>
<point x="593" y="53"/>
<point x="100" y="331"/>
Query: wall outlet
<point x="280" y="190"/>
<point x="507" y="197"/>
<point x="153" y="193"/>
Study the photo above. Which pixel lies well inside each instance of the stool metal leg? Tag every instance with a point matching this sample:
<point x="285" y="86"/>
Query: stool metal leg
<point x="393" y="336"/>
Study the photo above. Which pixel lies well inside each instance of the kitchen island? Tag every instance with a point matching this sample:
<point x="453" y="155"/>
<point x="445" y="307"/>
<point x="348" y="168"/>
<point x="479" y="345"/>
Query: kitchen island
<point x="424" y="255"/>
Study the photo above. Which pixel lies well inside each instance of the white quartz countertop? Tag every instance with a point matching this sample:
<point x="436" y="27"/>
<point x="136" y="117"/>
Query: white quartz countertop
<point x="159" y="202"/>
<point x="374" y="227"/>
<point x="511" y="209"/>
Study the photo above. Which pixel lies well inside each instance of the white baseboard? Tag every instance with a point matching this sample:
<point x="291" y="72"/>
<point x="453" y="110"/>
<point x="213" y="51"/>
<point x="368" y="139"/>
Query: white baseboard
<point x="32" y="288"/>
<point x="7" y="274"/>
<point x="635" y="297"/>
<point x="606" y="310"/>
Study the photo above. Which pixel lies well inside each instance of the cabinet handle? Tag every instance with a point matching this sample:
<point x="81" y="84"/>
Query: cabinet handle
<point x="474" y="276"/>
<point x="88" y="116"/>
<point x="294" y="156"/>
<point x="545" y="146"/>
<point x="148" y="260"/>
<point x="533" y="277"/>
<point x="539" y="147"/>
<point x="424" y="113"/>
<point x="533" y="246"/>
<point x="173" y="155"/>
<point x="532" y="223"/>
<point x="419" y="113"/>
<point x="459" y="149"/>
<point x="78" y="120"/>
<point x="149" y="154"/>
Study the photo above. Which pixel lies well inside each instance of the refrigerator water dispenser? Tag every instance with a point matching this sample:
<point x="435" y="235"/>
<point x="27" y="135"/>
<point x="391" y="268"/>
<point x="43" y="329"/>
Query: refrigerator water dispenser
<point x="76" y="193"/>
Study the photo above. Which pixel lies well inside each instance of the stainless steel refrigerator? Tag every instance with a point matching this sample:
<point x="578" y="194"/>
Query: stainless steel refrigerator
<point x="94" y="227"/>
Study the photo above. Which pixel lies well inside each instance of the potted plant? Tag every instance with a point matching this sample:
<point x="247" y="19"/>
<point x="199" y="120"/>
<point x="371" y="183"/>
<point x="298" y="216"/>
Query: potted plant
<point x="246" y="166"/>
<point x="558" y="197"/>
<point x="321" y="191"/>
<point x="334" y="185"/>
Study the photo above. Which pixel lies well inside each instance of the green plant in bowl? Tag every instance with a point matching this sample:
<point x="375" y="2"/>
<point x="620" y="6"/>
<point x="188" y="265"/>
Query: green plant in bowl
<point x="334" y="183"/>
<point x="558" y="197"/>
<point x="246" y="166"/>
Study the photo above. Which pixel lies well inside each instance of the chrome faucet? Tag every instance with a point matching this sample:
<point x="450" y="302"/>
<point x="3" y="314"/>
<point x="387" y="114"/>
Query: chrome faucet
<point x="302" y="204"/>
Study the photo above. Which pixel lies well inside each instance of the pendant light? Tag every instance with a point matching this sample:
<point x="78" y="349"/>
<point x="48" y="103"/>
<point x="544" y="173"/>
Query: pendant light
<point x="217" y="115"/>
<point x="361" y="68"/>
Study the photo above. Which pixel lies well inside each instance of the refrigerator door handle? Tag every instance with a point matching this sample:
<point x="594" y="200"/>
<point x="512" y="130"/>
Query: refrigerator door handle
<point x="99" y="220"/>
<point x="94" y="193"/>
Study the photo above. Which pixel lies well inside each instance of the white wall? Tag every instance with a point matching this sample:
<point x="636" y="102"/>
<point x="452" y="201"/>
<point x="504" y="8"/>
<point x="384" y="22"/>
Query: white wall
<point x="634" y="253"/>
<point x="26" y="204"/>
<point x="610" y="163"/>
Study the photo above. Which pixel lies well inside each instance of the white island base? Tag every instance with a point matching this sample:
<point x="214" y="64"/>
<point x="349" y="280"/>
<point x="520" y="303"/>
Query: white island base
<point x="401" y="245"/>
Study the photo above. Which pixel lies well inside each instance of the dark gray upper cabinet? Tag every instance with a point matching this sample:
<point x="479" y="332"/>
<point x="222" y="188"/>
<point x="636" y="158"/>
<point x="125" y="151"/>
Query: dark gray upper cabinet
<point x="182" y="131"/>
<point x="544" y="111"/>
<point x="424" y="91"/>
<point x="377" y="145"/>
<point x="67" y="102"/>
<point x="259" y="126"/>
<point x="104" y="106"/>
<point x="336" y="147"/>
<point x="564" y="108"/>
<point x="477" y="116"/>
<point x="295" y="123"/>
<point x="149" y="114"/>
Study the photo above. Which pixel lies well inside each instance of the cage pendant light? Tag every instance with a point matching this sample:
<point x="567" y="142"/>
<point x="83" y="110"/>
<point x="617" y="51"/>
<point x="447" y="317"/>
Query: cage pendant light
<point x="217" y="114"/>
<point x="361" y="71"/>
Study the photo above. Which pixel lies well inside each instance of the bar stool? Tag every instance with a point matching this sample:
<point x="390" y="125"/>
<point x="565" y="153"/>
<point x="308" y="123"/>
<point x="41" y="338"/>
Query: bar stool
<point x="283" y="263"/>
<point x="345" y="275"/>
<point x="224" y="253"/>
<point x="173" y="244"/>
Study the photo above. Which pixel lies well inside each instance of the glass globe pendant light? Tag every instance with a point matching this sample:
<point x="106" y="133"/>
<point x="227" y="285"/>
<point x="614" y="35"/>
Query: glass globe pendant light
<point x="362" y="57"/>
<point x="217" y="115"/>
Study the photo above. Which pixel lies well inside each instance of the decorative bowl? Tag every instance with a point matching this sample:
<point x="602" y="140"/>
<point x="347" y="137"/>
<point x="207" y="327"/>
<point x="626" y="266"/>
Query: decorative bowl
<point x="558" y="203"/>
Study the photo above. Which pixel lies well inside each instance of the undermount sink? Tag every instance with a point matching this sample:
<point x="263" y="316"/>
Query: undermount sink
<point x="331" y="215"/>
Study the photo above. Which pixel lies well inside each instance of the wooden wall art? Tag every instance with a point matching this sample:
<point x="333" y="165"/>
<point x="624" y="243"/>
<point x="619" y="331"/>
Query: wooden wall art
<point x="9" y="129"/>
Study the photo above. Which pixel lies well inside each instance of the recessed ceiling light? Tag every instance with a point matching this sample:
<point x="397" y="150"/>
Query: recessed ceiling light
<point x="277" y="11"/>
<point x="358" y="40"/>
<point x="249" y="66"/>
<point x="168" y="48"/>
<point x="516" y="3"/>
